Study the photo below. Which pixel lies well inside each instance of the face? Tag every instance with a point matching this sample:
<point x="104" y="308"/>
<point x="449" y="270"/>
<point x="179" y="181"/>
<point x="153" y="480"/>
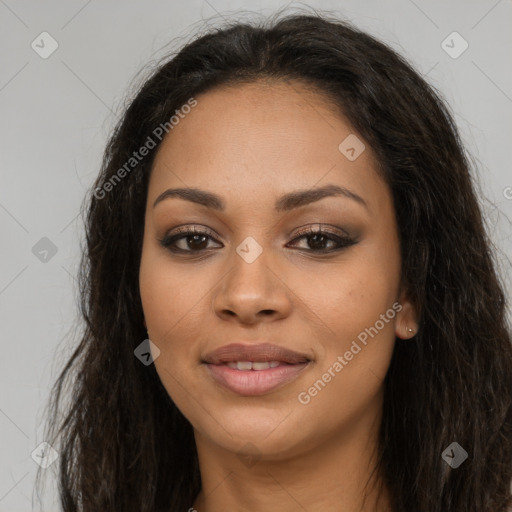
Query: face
<point x="271" y="332"/>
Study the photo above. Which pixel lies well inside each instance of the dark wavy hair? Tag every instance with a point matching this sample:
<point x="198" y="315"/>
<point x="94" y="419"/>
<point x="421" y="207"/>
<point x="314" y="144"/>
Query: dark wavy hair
<point x="123" y="444"/>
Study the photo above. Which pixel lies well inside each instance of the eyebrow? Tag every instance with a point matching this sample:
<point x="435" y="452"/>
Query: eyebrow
<point x="287" y="202"/>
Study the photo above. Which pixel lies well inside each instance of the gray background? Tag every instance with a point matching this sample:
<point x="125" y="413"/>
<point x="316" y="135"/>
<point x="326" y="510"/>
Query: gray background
<point x="57" y="112"/>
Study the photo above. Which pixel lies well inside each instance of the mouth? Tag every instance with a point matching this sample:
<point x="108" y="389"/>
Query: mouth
<point x="253" y="365"/>
<point x="251" y="370"/>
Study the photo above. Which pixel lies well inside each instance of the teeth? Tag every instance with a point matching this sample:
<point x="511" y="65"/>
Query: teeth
<point x="250" y="365"/>
<point x="261" y="366"/>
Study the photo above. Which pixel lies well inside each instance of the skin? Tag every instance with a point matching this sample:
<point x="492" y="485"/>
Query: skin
<point x="250" y="144"/>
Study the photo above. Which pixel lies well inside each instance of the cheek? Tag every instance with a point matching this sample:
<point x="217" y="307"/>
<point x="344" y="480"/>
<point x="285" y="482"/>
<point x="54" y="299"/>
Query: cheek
<point x="357" y="305"/>
<point x="171" y="305"/>
<point x="171" y="296"/>
<point x="351" y="295"/>
<point x="174" y="304"/>
<point x="346" y="384"/>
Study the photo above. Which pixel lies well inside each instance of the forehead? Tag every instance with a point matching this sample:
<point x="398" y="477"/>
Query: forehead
<point x="256" y="138"/>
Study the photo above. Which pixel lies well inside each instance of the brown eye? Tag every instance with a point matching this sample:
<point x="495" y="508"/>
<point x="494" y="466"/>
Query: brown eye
<point x="196" y="241"/>
<point x="317" y="240"/>
<point x="187" y="241"/>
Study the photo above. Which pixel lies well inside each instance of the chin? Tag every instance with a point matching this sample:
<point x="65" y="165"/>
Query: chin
<point x="273" y="434"/>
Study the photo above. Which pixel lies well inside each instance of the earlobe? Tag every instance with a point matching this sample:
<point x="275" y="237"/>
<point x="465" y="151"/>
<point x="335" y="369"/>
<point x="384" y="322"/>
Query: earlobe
<point x="406" y="326"/>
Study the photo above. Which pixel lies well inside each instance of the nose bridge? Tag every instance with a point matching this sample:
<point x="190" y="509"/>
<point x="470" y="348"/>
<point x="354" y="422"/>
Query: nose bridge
<point x="250" y="273"/>
<point x="251" y="287"/>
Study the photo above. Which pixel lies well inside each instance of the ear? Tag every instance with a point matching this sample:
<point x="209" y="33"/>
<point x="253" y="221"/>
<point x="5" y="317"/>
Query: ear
<point x="406" y="325"/>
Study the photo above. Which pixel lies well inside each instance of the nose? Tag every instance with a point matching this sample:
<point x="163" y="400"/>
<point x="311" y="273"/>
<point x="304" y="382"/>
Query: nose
<point x="252" y="292"/>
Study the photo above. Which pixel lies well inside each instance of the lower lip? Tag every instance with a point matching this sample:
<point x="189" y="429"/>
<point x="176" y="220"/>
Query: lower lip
<point x="254" y="382"/>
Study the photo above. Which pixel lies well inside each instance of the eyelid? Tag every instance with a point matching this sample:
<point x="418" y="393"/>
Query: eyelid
<point x="325" y="228"/>
<point x="202" y="229"/>
<point x="198" y="228"/>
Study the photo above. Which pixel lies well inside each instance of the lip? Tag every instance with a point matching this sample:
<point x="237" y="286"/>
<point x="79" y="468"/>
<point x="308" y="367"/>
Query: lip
<point x="254" y="382"/>
<point x="261" y="352"/>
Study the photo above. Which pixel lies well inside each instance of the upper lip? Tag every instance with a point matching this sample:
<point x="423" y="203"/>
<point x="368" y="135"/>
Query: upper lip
<point x="262" y="352"/>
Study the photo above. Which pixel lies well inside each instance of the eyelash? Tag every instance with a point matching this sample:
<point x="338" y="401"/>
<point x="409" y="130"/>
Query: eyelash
<point x="343" y="241"/>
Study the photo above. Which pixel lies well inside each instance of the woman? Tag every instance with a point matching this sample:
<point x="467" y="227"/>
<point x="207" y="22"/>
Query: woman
<point x="290" y="299"/>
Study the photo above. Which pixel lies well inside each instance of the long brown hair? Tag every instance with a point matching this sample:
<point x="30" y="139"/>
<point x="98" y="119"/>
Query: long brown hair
<point x="123" y="445"/>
